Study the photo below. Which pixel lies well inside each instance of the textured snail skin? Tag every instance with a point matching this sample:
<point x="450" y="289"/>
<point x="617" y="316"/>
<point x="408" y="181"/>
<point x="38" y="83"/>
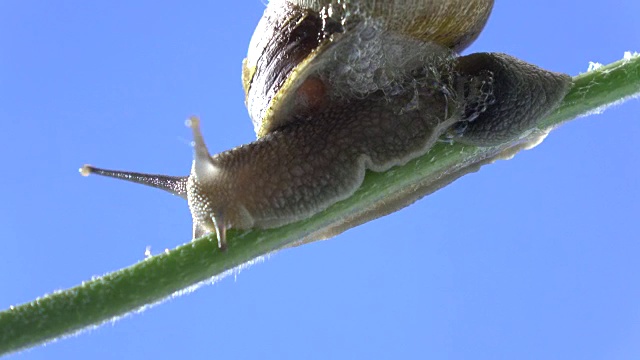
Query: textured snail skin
<point x="522" y="95"/>
<point x="307" y="165"/>
<point x="360" y="93"/>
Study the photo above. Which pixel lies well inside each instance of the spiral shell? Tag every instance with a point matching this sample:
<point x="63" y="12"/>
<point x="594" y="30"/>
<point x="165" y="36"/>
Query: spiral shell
<point x="292" y="35"/>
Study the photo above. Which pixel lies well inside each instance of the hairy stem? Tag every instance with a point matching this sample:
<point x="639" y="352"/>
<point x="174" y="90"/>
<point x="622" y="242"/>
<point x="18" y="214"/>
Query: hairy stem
<point x="189" y="265"/>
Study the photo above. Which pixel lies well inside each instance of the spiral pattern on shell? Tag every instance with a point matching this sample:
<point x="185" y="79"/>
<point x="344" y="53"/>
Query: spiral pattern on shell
<point x="292" y="33"/>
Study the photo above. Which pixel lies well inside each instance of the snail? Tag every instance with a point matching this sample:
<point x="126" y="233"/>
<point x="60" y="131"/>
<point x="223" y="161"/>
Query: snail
<point x="335" y="88"/>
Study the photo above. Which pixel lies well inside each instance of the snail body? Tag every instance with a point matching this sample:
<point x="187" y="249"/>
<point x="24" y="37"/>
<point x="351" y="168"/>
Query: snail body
<point x="335" y="88"/>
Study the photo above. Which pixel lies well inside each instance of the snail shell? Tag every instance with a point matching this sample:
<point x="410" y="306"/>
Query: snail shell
<point x="295" y="38"/>
<point x="335" y="88"/>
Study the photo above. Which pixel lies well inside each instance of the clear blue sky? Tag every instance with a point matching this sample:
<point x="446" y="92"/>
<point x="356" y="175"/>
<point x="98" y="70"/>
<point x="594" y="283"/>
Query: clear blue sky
<point x="533" y="258"/>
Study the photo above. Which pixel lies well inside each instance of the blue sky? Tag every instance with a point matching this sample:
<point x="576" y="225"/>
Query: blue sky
<point x="536" y="257"/>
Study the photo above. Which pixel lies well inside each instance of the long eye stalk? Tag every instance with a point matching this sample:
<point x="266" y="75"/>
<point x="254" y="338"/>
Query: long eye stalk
<point x="176" y="185"/>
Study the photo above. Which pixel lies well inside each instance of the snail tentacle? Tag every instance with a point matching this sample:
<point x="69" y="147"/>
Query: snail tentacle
<point x="176" y="185"/>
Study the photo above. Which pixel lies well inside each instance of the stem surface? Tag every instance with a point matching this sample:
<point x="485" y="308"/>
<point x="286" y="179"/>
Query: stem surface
<point x="190" y="265"/>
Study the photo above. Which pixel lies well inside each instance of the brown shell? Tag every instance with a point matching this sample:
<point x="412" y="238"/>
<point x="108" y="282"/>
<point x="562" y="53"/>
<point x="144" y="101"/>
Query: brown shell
<point x="292" y="33"/>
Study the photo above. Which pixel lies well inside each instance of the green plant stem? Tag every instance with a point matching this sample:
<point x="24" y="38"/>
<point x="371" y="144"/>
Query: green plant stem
<point x="156" y="278"/>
